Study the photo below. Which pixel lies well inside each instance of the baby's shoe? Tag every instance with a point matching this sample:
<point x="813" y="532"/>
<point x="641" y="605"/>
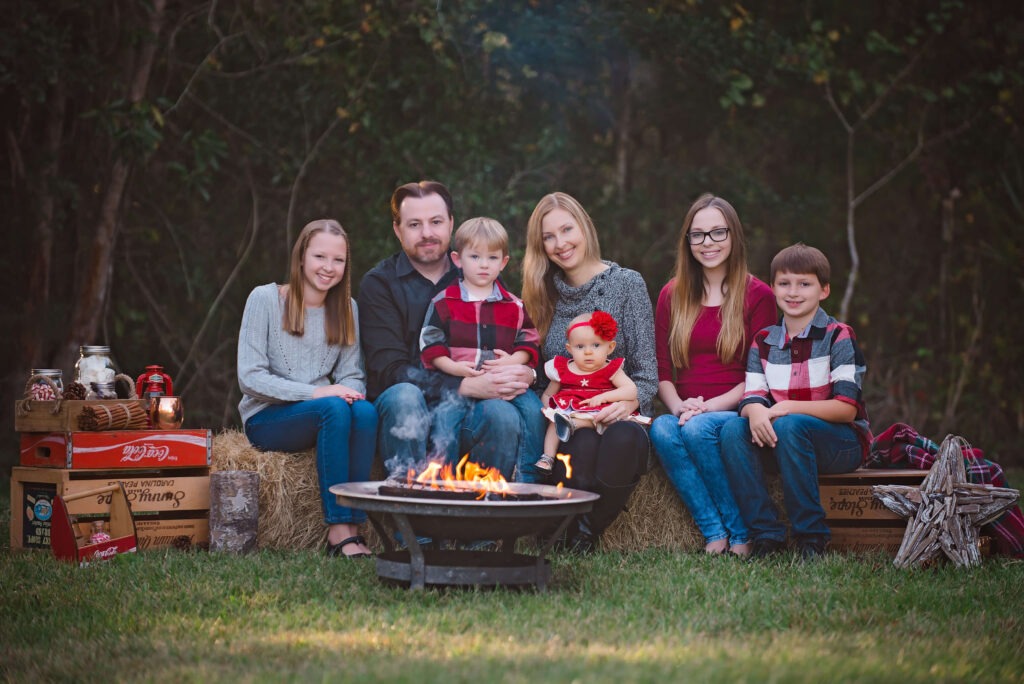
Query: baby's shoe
<point x="545" y="463"/>
<point x="564" y="427"/>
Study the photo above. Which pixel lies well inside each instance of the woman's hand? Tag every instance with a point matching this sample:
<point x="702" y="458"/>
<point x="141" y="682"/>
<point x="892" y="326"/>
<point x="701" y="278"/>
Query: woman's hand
<point x="346" y="393"/>
<point x="616" y="411"/>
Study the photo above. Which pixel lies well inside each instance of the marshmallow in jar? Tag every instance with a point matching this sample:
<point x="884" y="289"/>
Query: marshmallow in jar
<point x="94" y="365"/>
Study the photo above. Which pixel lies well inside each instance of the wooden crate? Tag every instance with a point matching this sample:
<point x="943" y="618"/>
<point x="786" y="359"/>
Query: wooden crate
<point x="857" y="520"/>
<point x="153" y="495"/>
<point x="39" y="416"/>
<point x="117" y="449"/>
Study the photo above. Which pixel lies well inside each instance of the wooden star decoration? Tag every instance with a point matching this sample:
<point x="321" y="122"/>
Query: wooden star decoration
<point x="946" y="511"/>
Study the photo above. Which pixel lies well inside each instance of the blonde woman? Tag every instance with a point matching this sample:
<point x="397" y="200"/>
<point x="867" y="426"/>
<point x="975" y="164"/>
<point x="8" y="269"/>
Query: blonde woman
<point x="564" y="277"/>
<point x="705" y="320"/>
<point x="301" y="374"/>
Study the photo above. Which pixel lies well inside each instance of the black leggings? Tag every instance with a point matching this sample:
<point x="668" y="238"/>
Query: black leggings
<point x="609" y="464"/>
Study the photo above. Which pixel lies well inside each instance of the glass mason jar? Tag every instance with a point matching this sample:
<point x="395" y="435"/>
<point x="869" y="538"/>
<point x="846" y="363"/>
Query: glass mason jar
<point x="41" y="389"/>
<point x="94" y="365"/>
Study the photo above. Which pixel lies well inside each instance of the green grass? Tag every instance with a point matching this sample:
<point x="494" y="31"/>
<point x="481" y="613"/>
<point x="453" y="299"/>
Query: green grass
<point x="654" y="616"/>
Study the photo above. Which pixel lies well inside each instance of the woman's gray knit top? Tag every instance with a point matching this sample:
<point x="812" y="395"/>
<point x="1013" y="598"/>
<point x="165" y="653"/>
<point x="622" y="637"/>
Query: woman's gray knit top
<point x="622" y="293"/>
<point x="276" y="367"/>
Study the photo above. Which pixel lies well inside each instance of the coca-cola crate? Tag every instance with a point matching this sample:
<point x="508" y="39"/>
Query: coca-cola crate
<point x="117" y="449"/>
<point x="71" y="539"/>
<point x="154" y="495"/>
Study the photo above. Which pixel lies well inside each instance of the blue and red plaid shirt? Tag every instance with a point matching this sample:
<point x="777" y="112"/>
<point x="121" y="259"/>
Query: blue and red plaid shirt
<point x="467" y="330"/>
<point x="823" y="362"/>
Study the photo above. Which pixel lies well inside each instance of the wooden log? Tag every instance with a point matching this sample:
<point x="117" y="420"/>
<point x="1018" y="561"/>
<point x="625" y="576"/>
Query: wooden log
<point x="234" y="510"/>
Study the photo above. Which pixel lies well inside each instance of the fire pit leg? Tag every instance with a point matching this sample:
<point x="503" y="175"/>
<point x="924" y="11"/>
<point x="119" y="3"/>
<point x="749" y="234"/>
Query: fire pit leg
<point x="542" y="583"/>
<point x="385" y="537"/>
<point x="417" y="565"/>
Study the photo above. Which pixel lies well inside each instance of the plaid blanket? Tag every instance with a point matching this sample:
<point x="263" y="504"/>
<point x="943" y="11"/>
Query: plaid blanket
<point x="900" y="446"/>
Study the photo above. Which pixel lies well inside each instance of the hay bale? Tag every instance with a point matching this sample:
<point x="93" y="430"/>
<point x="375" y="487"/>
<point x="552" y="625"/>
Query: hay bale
<point x="655" y="517"/>
<point x="291" y="517"/>
<point x="289" y="499"/>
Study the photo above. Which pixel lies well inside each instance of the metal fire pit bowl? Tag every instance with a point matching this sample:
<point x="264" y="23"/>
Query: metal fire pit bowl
<point x="449" y="519"/>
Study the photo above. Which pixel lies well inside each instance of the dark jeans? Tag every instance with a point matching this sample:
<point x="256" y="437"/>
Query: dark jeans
<point x="344" y="436"/>
<point x="807" y="446"/>
<point x="609" y="464"/>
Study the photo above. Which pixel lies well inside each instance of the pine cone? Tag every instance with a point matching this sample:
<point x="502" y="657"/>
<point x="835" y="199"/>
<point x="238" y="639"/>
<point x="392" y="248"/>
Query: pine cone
<point x="75" y="390"/>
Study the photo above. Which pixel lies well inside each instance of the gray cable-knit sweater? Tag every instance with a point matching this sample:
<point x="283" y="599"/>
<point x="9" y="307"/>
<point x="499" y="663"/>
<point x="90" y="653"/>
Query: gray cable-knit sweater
<point x="275" y="367"/>
<point x="622" y="293"/>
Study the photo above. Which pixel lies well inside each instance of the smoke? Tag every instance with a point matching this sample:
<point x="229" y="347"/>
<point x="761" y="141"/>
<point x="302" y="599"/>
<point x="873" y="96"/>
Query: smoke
<point x="416" y="428"/>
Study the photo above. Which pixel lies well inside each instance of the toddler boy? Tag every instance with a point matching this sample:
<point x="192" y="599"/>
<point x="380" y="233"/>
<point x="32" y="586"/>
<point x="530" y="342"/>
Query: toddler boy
<point x="802" y="403"/>
<point x="475" y="325"/>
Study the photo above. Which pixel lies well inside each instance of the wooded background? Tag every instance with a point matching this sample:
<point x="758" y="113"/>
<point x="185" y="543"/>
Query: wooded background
<point x="160" y="157"/>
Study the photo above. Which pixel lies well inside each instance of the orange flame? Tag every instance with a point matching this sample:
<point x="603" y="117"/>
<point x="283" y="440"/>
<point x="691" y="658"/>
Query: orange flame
<point x="565" y="458"/>
<point x="465" y="476"/>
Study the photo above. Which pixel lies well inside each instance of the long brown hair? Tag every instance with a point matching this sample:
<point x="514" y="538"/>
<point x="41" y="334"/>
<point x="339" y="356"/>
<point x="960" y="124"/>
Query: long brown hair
<point x="691" y="286"/>
<point x="339" y="323"/>
<point x="539" y="293"/>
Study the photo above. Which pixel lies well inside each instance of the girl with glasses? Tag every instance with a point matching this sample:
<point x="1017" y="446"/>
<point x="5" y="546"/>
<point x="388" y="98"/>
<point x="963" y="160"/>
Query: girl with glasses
<point x="705" y="319"/>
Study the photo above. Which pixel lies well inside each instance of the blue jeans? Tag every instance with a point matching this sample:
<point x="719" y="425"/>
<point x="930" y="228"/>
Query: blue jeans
<point x="344" y="436"/>
<point x="493" y="431"/>
<point x="691" y="457"/>
<point x="807" y="446"/>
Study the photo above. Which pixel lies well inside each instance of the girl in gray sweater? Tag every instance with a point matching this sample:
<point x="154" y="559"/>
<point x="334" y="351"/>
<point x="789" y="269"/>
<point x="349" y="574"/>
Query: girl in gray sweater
<point x="301" y="374"/>
<point x="564" y="277"/>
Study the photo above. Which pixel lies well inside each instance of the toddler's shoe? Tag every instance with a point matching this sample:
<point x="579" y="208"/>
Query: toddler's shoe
<point x="545" y="463"/>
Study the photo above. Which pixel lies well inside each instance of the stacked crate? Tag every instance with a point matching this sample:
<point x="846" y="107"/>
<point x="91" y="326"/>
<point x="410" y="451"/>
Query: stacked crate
<point x="166" y="475"/>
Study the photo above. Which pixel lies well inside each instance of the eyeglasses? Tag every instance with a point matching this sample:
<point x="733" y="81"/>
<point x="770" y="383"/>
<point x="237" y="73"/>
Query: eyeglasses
<point x="696" y="237"/>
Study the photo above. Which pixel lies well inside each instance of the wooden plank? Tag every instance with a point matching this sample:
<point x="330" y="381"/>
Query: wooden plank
<point x="887" y="538"/>
<point x="161" y="533"/>
<point x="852" y="502"/>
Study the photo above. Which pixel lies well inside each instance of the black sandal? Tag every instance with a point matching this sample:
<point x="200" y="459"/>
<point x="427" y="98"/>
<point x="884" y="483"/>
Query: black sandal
<point x="335" y="549"/>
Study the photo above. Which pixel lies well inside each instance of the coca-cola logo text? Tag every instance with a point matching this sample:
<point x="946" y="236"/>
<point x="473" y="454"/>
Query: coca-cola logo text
<point x="133" y="453"/>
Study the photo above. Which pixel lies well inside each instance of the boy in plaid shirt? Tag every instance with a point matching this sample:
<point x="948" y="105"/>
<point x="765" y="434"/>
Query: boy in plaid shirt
<point x="476" y="325"/>
<point x="802" y="403"/>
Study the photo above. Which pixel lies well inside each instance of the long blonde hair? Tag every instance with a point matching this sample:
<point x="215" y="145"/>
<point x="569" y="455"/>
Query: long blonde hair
<point x="539" y="294"/>
<point x="339" y="323"/>
<point x="691" y="286"/>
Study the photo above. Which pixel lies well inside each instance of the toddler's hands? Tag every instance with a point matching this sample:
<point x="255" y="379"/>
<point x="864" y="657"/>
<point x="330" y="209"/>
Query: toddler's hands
<point x="469" y="369"/>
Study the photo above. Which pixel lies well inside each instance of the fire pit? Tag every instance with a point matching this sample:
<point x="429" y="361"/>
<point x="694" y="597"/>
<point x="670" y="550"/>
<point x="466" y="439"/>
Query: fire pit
<point x="526" y="509"/>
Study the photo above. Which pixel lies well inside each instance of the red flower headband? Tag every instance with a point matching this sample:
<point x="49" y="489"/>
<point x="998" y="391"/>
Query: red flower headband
<point x="602" y="323"/>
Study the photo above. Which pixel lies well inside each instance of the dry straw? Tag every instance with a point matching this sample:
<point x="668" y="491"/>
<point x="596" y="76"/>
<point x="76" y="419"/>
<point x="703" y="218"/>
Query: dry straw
<point x="291" y="516"/>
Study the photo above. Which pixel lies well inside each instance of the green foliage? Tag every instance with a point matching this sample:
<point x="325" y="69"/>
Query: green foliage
<point x="283" y="112"/>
